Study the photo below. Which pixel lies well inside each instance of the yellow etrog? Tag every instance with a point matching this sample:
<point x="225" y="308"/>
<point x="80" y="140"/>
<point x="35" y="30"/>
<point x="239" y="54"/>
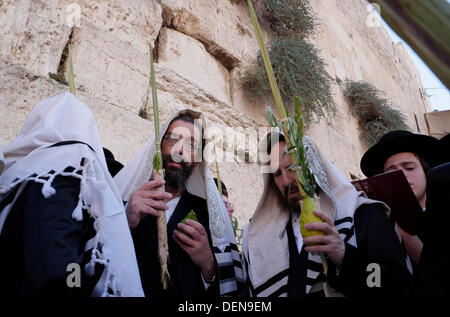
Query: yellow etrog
<point x="307" y="216"/>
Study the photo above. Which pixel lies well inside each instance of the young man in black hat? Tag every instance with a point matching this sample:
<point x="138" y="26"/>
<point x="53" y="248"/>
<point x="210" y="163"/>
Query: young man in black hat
<point x="414" y="154"/>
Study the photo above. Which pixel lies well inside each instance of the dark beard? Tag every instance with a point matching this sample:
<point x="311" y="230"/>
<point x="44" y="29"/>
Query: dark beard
<point x="176" y="178"/>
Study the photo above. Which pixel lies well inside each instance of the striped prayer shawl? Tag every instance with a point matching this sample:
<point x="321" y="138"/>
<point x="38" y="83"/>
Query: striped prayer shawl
<point x="265" y="243"/>
<point x="277" y="285"/>
<point x="229" y="270"/>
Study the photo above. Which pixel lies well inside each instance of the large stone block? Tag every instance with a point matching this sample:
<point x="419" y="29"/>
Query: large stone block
<point x="189" y="58"/>
<point x="223" y="26"/>
<point x="33" y="34"/>
<point x="108" y="68"/>
<point x="121" y="131"/>
<point x="137" y="22"/>
<point x="175" y="92"/>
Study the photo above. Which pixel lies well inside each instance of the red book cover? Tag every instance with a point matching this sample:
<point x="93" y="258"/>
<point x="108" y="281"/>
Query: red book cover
<point x="393" y="189"/>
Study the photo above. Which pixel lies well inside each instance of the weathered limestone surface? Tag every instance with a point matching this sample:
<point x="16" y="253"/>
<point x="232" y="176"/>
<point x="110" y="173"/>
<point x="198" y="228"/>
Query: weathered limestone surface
<point x="121" y="131"/>
<point x="189" y="58"/>
<point x="137" y="22"/>
<point x="108" y="68"/>
<point x="201" y="46"/>
<point x="33" y="34"/>
<point x="224" y="27"/>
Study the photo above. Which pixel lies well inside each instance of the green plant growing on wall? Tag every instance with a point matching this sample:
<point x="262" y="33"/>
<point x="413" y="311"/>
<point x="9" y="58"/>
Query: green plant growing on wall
<point x="299" y="71"/>
<point x="374" y="113"/>
<point x="143" y="113"/>
<point x="290" y="17"/>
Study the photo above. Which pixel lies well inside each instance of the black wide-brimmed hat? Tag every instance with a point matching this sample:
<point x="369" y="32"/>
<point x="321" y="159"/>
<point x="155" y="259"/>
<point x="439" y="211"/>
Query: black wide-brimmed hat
<point x="427" y="147"/>
<point x="114" y="166"/>
<point x="445" y="145"/>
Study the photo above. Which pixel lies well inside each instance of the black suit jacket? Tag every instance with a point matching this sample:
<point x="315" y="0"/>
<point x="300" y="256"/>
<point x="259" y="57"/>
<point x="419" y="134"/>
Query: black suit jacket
<point x="377" y="243"/>
<point x="433" y="278"/>
<point x="40" y="239"/>
<point x="185" y="276"/>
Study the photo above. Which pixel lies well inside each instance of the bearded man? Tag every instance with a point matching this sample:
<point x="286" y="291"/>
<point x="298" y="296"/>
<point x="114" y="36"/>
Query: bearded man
<point x="357" y="235"/>
<point x="203" y="256"/>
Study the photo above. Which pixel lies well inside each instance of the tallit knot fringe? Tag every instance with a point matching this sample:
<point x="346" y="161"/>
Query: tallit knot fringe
<point x="87" y="174"/>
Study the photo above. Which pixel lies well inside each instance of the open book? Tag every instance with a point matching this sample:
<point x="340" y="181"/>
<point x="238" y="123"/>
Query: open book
<point x="393" y="189"/>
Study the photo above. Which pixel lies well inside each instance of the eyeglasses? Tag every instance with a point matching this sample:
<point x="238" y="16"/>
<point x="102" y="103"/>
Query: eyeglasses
<point x="173" y="139"/>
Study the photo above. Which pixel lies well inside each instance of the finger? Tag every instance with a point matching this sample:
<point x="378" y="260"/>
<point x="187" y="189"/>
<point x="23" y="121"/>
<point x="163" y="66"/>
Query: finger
<point x="156" y="204"/>
<point x="319" y="226"/>
<point x="319" y="248"/>
<point x="317" y="240"/>
<point x="155" y="194"/>
<point x="147" y="210"/>
<point x="182" y="245"/>
<point x="197" y="225"/>
<point x="183" y="238"/>
<point x="324" y="217"/>
<point x="193" y="232"/>
<point x="152" y="184"/>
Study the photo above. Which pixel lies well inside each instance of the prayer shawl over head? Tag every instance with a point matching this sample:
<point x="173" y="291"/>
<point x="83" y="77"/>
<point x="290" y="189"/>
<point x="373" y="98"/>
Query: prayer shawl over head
<point x="139" y="171"/>
<point x="30" y="157"/>
<point x="265" y="242"/>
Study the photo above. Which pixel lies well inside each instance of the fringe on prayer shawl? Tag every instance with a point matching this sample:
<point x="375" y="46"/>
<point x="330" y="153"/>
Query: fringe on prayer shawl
<point x="87" y="175"/>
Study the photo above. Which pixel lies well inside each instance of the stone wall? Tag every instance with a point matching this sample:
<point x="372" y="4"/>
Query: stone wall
<point x="200" y="48"/>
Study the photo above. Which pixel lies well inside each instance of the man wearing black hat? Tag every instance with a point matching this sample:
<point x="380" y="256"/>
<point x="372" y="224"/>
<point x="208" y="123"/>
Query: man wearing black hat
<point x="414" y="154"/>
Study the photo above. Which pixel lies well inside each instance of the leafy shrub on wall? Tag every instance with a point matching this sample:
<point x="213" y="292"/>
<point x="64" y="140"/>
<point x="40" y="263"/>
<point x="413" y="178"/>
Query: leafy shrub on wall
<point x="299" y="71"/>
<point x="375" y="114"/>
<point x="290" y="17"/>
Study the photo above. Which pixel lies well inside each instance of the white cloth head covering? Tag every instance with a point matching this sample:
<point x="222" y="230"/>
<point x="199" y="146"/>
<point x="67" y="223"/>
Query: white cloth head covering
<point x="29" y="157"/>
<point x="139" y="171"/>
<point x="265" y="244"/>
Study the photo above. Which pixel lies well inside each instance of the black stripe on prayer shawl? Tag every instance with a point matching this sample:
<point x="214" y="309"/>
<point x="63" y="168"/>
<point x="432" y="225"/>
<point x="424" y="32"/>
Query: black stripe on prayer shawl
<point x="350" y="234"/>
<point x="235" y="247"/>
<point x="346" y="231"/>
<point x="229" y="269"/>
<point x="228" y="248"/>
<point x="226" y="272"/>
<point x="273" y="280"/>
<point x="70" y="142"/>
<point x="320" y="278"/>
<point x="340" y="221"/>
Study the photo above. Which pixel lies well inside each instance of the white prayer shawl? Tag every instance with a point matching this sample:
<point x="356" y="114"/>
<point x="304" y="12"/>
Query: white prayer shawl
<point x="139" y="171"/>
<point x="29" y="158"/>
<point x="265" y="244"/>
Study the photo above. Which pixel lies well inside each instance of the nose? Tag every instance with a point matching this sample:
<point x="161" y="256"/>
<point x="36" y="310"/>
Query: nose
<point x="285" y="179"/>
<point x="178" y="148"/>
